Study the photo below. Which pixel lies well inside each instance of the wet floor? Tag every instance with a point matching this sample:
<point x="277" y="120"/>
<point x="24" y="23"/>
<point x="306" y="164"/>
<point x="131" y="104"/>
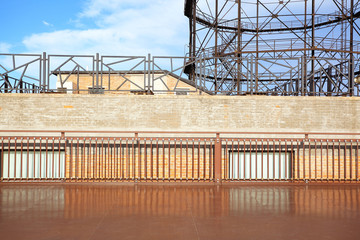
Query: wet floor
<point x="179" y="212"/>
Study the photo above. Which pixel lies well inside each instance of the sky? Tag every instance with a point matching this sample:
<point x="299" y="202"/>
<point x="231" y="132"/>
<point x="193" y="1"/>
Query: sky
<point x="108" y="27"/>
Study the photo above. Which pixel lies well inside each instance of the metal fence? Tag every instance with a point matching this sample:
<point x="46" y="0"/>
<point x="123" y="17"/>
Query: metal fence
<point x="226" y="75"/>
<point x="171" y="159"/>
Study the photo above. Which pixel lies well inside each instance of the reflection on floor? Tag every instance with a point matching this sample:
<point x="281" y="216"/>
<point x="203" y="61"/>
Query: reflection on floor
<point x="102" y="211"/>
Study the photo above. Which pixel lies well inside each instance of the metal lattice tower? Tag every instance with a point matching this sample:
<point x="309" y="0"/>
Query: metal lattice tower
<point x="275" y="47"/>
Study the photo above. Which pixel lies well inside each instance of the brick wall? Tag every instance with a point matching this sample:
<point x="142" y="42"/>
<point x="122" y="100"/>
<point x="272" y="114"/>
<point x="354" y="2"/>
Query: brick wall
<point x="178" y="113"/>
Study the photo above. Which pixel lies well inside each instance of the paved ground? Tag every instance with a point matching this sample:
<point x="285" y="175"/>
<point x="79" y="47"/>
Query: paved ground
<point x="99" y="211"/>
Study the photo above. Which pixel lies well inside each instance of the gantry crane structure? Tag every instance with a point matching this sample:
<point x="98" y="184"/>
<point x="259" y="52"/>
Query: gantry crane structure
<point x="275" y="47"/>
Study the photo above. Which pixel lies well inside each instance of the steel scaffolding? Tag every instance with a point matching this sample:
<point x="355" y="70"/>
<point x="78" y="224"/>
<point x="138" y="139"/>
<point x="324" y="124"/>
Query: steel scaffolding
<point x="275" y="47"/>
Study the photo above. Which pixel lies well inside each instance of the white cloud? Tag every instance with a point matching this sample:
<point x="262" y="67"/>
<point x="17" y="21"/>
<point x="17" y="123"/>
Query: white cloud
<point x="123" y="27"/>
<point x="47" y="24"/>
<point x="5" y="47"/>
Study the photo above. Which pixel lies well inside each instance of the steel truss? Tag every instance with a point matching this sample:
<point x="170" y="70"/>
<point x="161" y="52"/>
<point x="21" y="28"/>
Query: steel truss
<point x="275" y="47"/>
<point x="43" y="73"/>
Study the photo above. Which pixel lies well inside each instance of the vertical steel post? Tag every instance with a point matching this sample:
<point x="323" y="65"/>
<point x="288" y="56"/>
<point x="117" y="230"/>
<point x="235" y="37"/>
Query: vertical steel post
<point x="312" y="82"/>
<point x="257" y="47"/>
<point x="304" y="57"/>
<point x="351" y="75"/>
<point x="149" y="74"/>
<point x="6" y="84"/>
<point x="217" y="160"/>
<point x="44" y="77"/>
<point x="97" y="72"/>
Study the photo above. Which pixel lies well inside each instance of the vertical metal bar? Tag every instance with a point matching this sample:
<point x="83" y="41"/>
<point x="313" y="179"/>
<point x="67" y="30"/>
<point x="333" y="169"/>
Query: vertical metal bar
<point x="345" y="172"/>
<point x="107" y="156"/>
<point x="327" y="160"/>
<point x="211" y="175"/>
<point x="151" y="160"/>
<point x="40" y="166"/>
<point x="298" y="159"/>
<point x="97" y="71"/>
<point x="21" y="160"/>
<point x="46" y="159"/>
<point x="163" y="153"/>
<point x="83" y="164"/>
<point x="175" y="159"/>
<point x="102" y="161"/>
<point x="77" y="161"/>
<point x="333" y="160"/>
<point x="157" y="159"/>
<point x="217" y="160"/>
<point x="34" y="158"/>
<point x="315" y="145"/>
<point x="339" y="159"/>
<point x="122" y="162"/>
<point x="71" y="159"/>
<point x="44" y="77"/>
<point x="96" y="160"/>
<point x="59" y="166"/>
<point x="133" y="158"/>
<point x="286" y="150"/>
<point x="187" y="159"/>
<point x="15" y="160"/>
<point x="204" y="162"/>
<point x="181" y="159"/>
<point x="2" y="159"/>
<point x="250" y="162"/>
<point x="116" y="160"/>
<point x="292" y="162"/>
<point x="127" y="159"/>
<point x="27" y="157"/>
<point x="357" y="160"/>
<point x="304" y="162"/>
<point x="256" y="159"/>
<point x="351" y="56"/>
<point x="279" y="153"/>
<point x="244" y="170"/>
<point x="139" y="158"/>
<point x="232" y="160"/>
<point x="169" y="159"/>
<point x="321" y="159"/>
<point x="262" y="159"/>
<point x="193" y="159"/>
<point x="145" y="160"/>
<point x="198" y="167"/>
<point x="310" y="176"/>
<point x="351" y="158"/>
<point x="238" y="161"/>
<point x="149" y="73"/>
<point x="274" y="153"/>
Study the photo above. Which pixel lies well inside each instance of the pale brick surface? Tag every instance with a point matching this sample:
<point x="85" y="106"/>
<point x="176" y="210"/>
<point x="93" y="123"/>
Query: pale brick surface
<point x="178" y="113"/>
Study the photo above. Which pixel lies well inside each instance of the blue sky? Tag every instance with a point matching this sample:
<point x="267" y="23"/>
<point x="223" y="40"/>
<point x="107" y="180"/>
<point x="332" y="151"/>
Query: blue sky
<point x="120" y="27"/>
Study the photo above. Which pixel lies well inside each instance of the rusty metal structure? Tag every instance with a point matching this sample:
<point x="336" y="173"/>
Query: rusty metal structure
<point x="267" y="47"/>
<point x="275" y="47"/>
<point x="77" y="156"/>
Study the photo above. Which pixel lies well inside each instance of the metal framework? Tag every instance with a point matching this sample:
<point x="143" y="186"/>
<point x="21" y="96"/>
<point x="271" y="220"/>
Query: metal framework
<point x="275" y="47"/>
<point x="76" y="156"/>
<point x="267" y="47"/>
<point x="47" y="73"/>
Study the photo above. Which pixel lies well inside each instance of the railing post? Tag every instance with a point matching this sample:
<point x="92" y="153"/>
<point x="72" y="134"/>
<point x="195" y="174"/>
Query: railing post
<point x="45" y="87"/>
<point x="217" y="158"/>
<point x="149" y="83"/>
<point x="97" y="72"/>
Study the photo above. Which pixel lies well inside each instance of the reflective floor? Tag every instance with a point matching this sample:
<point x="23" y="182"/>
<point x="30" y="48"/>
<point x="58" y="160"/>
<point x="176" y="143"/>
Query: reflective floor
<point x="102" y="211"/>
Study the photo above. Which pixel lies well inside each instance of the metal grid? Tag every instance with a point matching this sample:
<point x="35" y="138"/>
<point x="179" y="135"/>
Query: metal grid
<point x="322" y="35"/>
<point x="172" y="159"/>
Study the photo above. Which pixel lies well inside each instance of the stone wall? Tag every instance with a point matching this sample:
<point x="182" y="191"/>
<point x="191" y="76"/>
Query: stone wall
<point x="179" y="113"/>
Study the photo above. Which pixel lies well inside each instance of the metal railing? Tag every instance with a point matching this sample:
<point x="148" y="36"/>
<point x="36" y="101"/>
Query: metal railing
<point x="179" y="156"/>
<point x="170" y="75"/>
